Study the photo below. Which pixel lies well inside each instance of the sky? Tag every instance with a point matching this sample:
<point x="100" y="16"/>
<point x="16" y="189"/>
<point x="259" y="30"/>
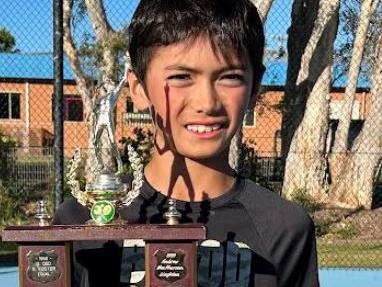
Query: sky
<point x="30" y="21"/>
<point x="278" y="22"/>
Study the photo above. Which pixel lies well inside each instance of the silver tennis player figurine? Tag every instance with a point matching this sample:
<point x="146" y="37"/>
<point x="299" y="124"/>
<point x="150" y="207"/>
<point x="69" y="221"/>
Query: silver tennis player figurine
<point x="104" y="121"/>
<point x="107" y="191"/>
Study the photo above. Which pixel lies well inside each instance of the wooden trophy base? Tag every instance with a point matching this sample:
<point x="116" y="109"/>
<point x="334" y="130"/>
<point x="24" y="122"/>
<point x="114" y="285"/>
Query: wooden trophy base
<point x="44" y="251"/>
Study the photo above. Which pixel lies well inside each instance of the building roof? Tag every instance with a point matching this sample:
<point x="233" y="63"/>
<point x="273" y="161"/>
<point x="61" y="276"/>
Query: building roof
<point x="40" y="67"/>
<point x="30" y="66"/>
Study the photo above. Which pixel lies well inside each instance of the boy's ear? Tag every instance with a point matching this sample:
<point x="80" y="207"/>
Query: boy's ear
<point x="137" y="92"/>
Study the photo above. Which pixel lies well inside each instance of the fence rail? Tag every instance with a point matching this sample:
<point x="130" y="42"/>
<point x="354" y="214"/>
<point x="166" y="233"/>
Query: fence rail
<point x="23" y="172"/>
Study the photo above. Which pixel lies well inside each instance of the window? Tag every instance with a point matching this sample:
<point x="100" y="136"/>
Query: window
<point x="73" y="109"/>
<point x="249" y="119"/>
<point x="9" y="106"/>
<point x="129" y="106"/>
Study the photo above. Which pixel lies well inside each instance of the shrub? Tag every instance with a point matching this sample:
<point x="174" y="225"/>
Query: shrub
<point x="10" y="208"/>
<point x="322" y="229"/>
<point x="345" y="230"/>
<point x="7" y="148"/>
<point x="142" y="142"/>
<point x="302" y="197"/>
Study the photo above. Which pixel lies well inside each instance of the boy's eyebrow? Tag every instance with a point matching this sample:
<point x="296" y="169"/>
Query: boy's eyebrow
<point x="181" y="67"/>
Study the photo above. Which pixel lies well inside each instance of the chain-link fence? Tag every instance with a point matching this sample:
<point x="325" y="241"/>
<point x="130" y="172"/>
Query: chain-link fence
<point x="314" y="136"/>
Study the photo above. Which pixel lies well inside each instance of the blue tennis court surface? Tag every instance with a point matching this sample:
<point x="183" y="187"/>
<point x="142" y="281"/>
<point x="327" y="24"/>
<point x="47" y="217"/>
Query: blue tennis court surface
<point x="351" y="277"/>
<point x="8" y="276"/>
<point x="328" y="277"/>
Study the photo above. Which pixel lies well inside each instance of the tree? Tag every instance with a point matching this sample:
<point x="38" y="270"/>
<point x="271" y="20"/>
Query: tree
<point x="343" y="175"/>
<point x="343" y="155"/>
<point x="342" y="134"/>
<point x="350" y="20"/>
<point x="7" y="41"/>
<point x="306" y="105"/>
<point x="263" y="6"/>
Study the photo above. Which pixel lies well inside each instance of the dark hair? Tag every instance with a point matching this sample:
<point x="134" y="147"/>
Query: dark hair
<point x="229" y="24"/>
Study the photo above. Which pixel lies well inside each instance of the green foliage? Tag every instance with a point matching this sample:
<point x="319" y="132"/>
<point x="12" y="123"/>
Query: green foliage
<point x="345" y="230"/>
<point x="91" y="53"/>
<point x="7" y="41"/>
<point x="7" y="248"/>
<point x="322" y="228"/>
<point x="27" y="187"/>
<point x="7" y="141"/>
<point x="142" y="141"/>
<point x="7" y="146"/>
<point x="10" y="207"/>
<point x="302" y="197"/>
<point x="16" y="194"/>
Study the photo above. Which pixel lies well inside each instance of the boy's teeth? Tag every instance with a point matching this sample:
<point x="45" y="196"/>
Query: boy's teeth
<point x="202" y="128"/>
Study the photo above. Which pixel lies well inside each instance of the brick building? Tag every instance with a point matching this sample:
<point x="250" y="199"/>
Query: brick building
<point x="26" y="105"/>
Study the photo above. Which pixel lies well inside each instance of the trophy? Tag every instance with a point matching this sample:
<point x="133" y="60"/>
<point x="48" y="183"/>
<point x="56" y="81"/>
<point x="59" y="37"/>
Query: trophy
<point x="107" y="192"/>
<point x="44" y="249"/>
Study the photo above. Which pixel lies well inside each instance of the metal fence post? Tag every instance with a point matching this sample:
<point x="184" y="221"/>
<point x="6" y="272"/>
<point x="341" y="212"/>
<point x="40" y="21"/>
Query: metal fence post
<point x="58" y="101"/>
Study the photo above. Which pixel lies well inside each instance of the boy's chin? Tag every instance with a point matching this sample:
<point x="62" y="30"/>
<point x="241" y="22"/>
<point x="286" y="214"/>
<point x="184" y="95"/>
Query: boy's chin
<point x="202" y="155"/>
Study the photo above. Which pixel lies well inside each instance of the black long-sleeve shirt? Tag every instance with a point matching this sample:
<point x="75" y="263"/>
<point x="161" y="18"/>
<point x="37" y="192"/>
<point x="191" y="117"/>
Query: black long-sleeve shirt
<point x="255" y="238"/>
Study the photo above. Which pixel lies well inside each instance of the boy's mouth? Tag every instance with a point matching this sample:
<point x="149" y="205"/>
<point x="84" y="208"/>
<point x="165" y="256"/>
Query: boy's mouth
<point x="203" y="128"/>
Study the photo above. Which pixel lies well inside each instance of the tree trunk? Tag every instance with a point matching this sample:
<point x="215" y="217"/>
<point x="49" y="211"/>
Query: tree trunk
<point x="342" y="133"/>
<point x="356" y="183"/>
<point x="295" y="97"/>
<point x="306" y="105"/>
<point x="263" y="6"/>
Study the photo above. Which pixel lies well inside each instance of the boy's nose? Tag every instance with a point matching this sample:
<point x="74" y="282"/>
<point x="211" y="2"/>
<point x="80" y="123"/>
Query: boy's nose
<point x="207" y="101"/>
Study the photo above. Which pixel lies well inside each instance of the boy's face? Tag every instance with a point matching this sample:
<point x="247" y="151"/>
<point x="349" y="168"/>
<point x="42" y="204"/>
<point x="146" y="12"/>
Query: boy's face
<point x="198" y="98"/>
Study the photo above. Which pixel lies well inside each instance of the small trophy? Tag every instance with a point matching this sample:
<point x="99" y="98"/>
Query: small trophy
<point x="42" y="216"/>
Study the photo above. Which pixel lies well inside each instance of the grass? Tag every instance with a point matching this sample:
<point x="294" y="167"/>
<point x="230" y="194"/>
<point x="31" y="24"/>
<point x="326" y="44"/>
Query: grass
<point x="8" y="251"/>
<point x="350" y="254"/>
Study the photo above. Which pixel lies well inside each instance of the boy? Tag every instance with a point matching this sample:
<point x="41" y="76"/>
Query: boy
<point x="197" y="65"/>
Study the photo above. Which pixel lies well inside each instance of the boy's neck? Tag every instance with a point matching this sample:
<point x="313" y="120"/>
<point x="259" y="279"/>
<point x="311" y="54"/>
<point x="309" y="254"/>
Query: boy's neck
<point x="189" y="180"/>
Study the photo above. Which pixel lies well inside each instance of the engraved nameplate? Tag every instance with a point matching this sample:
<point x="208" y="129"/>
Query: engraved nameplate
<point x="42" y="266"/>
<point x="170" y="265"/>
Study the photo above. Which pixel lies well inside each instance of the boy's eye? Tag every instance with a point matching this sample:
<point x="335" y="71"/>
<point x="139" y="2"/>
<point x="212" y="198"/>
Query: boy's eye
<point x="237" y="77"/>
<point x="233" y="79"/>
<point x="180" y="77"/>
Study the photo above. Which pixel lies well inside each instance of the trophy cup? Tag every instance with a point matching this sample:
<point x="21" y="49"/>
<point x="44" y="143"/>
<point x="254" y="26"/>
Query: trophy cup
<point x="44" y="250"/>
